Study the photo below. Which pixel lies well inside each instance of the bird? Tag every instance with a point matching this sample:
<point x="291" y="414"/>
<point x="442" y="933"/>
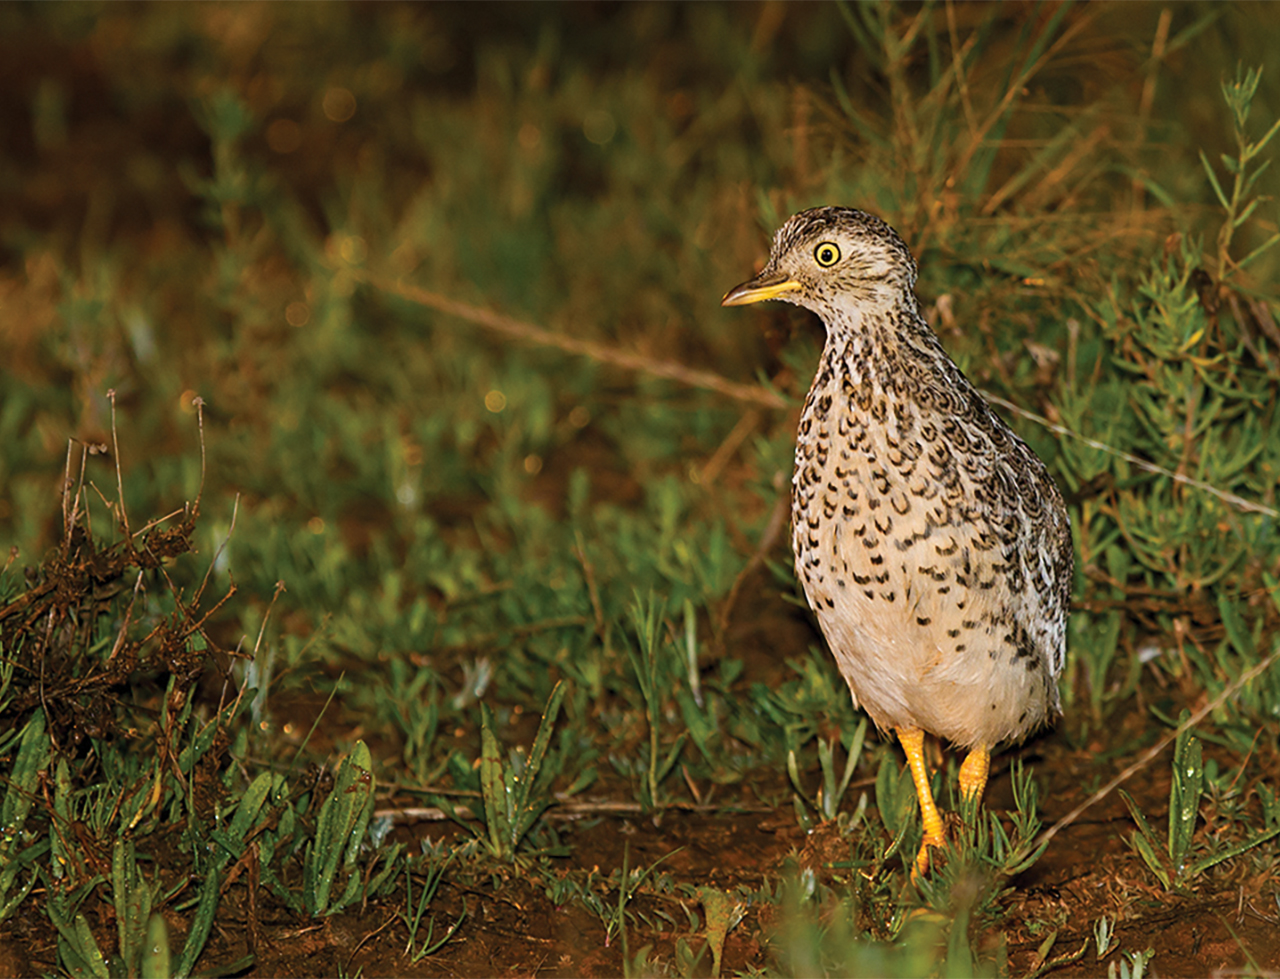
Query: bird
<point x="932" y="544"/>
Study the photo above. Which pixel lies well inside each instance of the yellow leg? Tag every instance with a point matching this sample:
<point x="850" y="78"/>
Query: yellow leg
<point x="973" y="773"/>
<point x="912" y="739"/>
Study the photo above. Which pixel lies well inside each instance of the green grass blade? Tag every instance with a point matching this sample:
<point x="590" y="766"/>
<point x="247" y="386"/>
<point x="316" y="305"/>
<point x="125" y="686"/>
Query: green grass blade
<point x="1212" y="861"/>
<point x="541" y="741"/>
<point x="1266" y="246"/>
<point x="1184" y="796"/>
<point x="132" y="897"/>
<point x="1145" y="840"/>
<point x="265" y="785"/>
<point x="32" y="755"/>
<point x="363" y="789"/>
<point x="201" y="924"/>
<point x="851" y="762"/>
<point x="1213" y="180"/>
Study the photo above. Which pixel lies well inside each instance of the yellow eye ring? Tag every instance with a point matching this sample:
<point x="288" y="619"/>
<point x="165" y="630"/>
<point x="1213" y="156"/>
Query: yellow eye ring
<point x="827" y="254"/>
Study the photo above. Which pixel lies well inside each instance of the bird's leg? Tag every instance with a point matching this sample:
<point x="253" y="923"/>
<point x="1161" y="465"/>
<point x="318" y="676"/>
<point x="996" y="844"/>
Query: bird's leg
<point x="973" y="773"/>
<point x="912" y="739"/>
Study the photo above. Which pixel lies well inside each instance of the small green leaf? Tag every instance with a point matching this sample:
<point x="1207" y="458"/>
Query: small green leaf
<point x="540" y="743"/>
<point x="1213" y="179"/>
<point x="1257" y="252"/>
<point x="1258" y="145"/>
<point x="1244" y="215"/>
<point x="1237" y="633"/>
<point x="672" y="756"/>
<point x="132" y="897"/>
<point x="493" y="788"/>
<point x="262" y="787"/>
<point x="1149" y="857"/>
<point x="33" y="754"/>
<point x="77" y="947"/>
<point x="793" y="771"/>
<point x="155" y="956"/>
<point x="201" y="924"/>
<point x="1143" y="826"/>
<point x="1184" y="797"/>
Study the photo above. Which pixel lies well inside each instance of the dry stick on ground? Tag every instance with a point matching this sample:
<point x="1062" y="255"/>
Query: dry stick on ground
<point x="562" y="810"/>
<point x="773" y="530"/>
<point x="520" y="330"/>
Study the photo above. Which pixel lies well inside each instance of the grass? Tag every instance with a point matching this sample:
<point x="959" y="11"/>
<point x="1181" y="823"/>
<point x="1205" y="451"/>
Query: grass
<point x="396" y="513"/>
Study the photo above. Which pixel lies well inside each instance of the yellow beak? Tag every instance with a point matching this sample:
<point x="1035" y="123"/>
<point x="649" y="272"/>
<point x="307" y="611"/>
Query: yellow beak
<point x="762" y="287"/>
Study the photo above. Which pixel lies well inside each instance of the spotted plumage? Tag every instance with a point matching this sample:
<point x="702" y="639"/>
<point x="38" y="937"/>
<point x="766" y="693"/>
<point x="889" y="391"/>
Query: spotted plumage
<point x="931" y="542"/>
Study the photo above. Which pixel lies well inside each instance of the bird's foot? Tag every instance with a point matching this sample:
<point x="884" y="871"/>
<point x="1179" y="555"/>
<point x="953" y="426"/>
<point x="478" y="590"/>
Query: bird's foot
<point x="921" y="865"/>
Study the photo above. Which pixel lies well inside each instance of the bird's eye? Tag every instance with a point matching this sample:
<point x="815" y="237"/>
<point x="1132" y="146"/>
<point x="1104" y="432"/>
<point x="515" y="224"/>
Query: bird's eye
<point x="827" y="254"/>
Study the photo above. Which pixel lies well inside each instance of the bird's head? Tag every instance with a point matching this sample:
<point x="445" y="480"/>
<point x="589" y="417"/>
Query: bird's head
<point x="835" y="261"/>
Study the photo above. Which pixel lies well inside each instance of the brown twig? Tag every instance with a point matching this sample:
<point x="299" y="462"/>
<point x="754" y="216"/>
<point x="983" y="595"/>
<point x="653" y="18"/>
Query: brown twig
<point x="519" y="330"/>
<point x="772" y="530"/>
<point x="115" y="457"/>
<point x="715" y="465"/>
<point x="1237" y="501"/>
<point x="558" y="810"/>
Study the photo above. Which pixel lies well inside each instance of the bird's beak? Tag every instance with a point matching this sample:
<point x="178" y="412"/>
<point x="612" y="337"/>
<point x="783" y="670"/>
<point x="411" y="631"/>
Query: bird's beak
<point x="767" y="285"/>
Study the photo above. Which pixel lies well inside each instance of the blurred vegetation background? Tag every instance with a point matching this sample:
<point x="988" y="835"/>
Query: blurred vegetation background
<point x="236" y="203"/>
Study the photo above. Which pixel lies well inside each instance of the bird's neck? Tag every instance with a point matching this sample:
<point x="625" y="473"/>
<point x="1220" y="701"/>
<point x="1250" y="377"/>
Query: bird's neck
<point x="880" y="355"/>
<point x="879" y="339"/>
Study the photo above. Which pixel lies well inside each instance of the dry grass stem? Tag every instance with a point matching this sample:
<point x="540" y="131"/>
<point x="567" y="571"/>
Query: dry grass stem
<point x="519" y="330"/>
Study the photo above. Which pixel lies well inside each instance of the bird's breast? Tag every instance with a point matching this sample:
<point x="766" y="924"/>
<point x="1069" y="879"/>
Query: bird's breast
<point x="914" y="546"/>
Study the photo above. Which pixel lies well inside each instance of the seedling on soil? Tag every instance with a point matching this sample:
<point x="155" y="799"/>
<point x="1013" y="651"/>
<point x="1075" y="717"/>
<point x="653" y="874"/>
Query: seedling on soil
<point x="412" y="915"/>
<point x="133" y="897"/>
<point x="344" y="817"/>
<point x="1132" y="965"/>
<point x="77" y="949"/>
<point x="1103" y="937"/>
<point x="143" y="948"/>
<point x="1170" y="860"/>
<point x="981" y="855"/>
<point x="826" y="803"/>
<point x="648" y="621"/>
<point x="513" y="799"/>
<point x="628" y="883"/>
